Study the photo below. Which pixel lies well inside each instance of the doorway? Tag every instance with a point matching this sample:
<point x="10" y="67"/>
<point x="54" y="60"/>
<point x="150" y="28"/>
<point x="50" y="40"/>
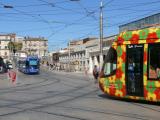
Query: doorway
<point x="134" y="70"/>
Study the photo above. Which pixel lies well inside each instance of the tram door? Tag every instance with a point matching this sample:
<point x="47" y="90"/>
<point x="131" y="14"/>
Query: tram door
<point x="134" y="70"/>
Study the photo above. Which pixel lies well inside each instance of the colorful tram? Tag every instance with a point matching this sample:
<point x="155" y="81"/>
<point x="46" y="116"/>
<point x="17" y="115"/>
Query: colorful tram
<point x="132" y="66"/>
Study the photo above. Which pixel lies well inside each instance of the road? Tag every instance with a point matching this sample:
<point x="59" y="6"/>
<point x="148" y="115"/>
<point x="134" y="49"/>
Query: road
<point x="67" y="96"/>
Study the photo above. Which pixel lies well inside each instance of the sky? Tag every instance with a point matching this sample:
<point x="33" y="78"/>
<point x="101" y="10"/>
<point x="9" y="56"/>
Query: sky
<point x="60" y="21"/>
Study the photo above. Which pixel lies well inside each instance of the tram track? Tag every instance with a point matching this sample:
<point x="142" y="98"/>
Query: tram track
<point x="149" y="108"/>
<point x="18" y="86"/>
<point x="112" y="113"/>
<point x="48" y="105"/>
<point x="36" y="109"/>
<point x="45" y="97"/>
<point x="58" y="104"/>
<point x="36" y="84"/>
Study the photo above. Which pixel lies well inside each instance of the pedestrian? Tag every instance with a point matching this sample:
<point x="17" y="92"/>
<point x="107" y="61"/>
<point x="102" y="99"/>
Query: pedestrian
<point x="95" y="73"/>
<point x="86" y="70"/>
<point x="131" y="66"/>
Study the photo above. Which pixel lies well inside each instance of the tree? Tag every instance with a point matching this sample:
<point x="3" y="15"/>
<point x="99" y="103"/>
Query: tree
<point x="11" y="46"/>
<point x="18" y="46"/>
<point x="15" y="46"/>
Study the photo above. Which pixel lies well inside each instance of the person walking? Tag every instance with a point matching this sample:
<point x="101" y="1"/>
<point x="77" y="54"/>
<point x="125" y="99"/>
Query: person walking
<point x="95" y="73"/>
<point x="131" y="74"/>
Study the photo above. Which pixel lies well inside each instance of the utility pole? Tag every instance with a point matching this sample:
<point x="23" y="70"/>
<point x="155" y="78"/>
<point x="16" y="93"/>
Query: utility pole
<point x="69" y="56"/>
<point x="101" y="34"/>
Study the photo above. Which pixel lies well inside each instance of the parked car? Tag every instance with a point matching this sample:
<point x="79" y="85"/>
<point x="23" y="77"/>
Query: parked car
<point x="3" y="67"/>
<point x="9" y="65"/>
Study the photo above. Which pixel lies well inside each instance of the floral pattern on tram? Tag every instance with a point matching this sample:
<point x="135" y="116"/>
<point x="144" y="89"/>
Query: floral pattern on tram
<point x="115" y="85"/>
<point x="149" y="35"/>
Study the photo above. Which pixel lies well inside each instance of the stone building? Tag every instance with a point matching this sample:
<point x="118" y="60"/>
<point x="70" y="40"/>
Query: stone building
<point x="83" y="54"/>
<point x="4" y="41"/>
<point x="93" y="51"/>
<point x="75" y="56"/>
<point x="36" y="46"/>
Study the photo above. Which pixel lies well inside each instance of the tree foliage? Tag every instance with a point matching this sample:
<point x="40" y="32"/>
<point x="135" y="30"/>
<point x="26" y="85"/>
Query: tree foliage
<point x="15" y="46"/>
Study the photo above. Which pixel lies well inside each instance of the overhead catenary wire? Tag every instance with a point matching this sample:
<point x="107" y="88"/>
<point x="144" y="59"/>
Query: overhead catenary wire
<point x="42" y="4"/>
<point x="116" y="24"/>
<point x="88" y="13"/>
<point x="49" y="3"/>
<point x="66" y="25"/>
<point x="73" y="22"/>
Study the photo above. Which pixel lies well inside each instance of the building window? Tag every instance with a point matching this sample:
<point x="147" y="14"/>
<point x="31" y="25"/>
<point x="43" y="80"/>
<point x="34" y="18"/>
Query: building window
<point x="45" y="44"/>
<point x="5" y="53"/>
<point x="6" y="47"/>
<point x="154" y="61"/>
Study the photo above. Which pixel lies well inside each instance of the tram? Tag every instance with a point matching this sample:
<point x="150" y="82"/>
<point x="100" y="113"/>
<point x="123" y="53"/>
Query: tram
<point x="132" y="67"/>
<point x="29" y="65"/>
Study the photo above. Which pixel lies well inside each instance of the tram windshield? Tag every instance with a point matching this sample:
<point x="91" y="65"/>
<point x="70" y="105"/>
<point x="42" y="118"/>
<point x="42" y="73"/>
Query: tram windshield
<point x="33" y="62"/>
<point x="110" y="62"/>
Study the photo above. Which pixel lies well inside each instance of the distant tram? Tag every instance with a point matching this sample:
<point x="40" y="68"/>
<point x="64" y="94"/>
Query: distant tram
<point x="132" y="66"/>
<point x="29" y="65"/>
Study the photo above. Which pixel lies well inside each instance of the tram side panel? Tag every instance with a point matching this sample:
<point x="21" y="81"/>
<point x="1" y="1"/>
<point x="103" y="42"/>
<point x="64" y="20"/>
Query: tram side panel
<point x="116" y="84"/>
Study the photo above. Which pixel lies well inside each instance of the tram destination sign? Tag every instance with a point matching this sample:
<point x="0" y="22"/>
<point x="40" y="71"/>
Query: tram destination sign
<point x="135" y="46"/>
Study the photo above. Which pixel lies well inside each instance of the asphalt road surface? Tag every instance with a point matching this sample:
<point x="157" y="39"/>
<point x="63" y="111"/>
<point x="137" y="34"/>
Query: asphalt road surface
<point x="67" y="96"/>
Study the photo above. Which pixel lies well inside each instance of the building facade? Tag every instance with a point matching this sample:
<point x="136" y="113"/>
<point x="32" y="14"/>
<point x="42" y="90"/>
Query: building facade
<point x="84" y="54"/>
<point x="93" y="51"/>
<point x="29" y="46"/>
<point x="35" y="46"/>
<point x="5" y="39"/>
<point x="74" y="58"/>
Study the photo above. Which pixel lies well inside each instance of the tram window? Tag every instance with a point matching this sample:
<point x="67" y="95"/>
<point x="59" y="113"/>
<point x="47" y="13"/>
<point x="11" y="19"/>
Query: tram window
<point x="27" y="63"/>
<point x="154" y="62"/>
<point x="110" y="62"/>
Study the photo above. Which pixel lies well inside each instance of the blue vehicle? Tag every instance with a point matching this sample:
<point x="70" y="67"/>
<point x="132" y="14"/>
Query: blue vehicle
<point x="29" y="65"/>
